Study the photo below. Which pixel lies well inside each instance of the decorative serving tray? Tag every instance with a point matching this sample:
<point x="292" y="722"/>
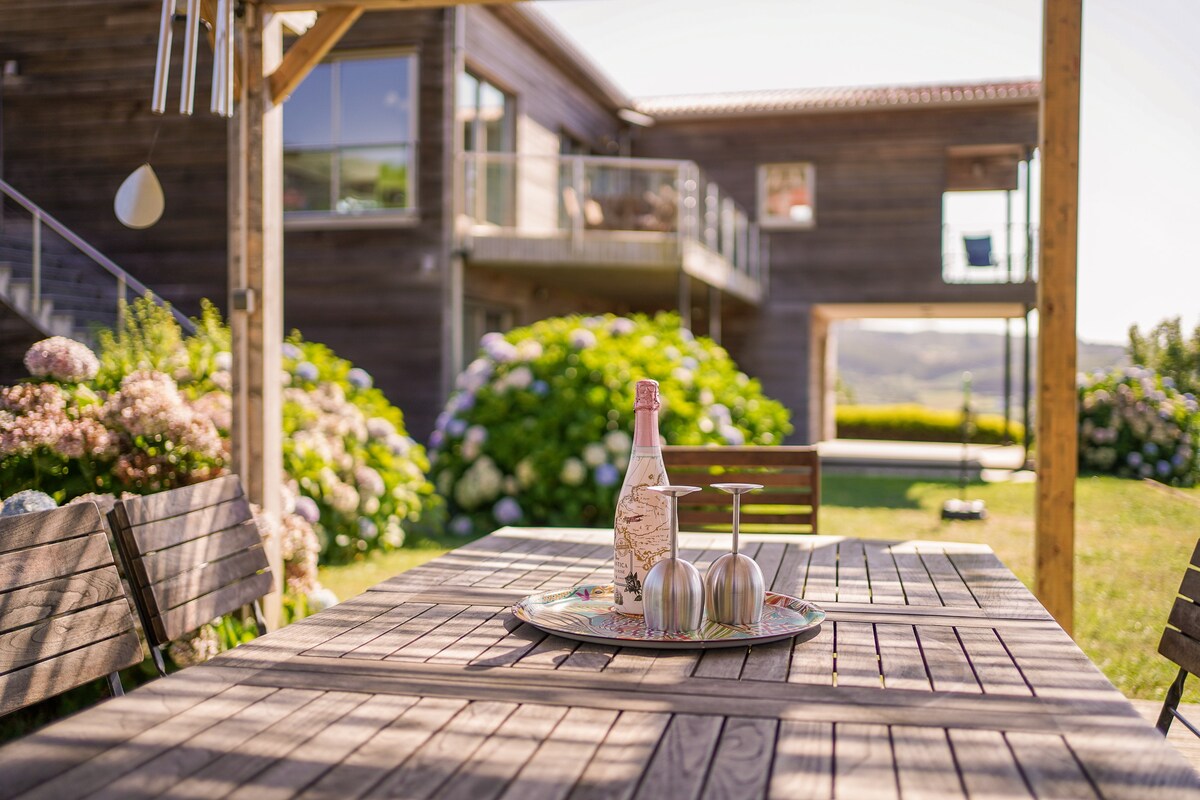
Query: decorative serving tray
<point x="586" y="613"/>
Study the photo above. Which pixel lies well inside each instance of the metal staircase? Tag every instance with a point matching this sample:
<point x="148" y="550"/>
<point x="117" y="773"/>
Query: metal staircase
<point x="53" y="283"/>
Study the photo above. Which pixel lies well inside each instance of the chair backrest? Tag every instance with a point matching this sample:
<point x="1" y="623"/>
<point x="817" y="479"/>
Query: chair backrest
<point x="979" y="250"/>
<point x="192" y="554"/>
<point x="1183" y="645"/>
<point x="64" y="617"/>
<point x="791" y="477"/>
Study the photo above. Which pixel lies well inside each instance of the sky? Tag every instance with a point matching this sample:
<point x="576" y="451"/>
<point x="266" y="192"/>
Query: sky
<point x="1139" y="211"/>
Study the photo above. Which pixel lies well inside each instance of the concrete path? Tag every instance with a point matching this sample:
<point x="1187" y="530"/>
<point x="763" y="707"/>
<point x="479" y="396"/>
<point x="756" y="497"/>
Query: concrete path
<point x="1183" y="739"/>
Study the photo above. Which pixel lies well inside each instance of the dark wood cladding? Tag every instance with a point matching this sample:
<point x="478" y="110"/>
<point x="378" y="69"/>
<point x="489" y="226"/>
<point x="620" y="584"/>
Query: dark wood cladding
<point x="544" y="94"/>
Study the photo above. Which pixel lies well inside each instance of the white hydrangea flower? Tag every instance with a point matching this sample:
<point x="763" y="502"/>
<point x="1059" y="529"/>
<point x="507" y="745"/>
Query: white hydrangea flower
<point x="594" y="454"/>
<point x="573" y="472"/>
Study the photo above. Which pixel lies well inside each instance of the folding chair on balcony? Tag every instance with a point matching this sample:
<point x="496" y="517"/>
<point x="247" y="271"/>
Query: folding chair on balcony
<point x="979" y="251"/>
<point x="1181" y="643"/>
<point x="788" y="502"/>
<point x="64" y="617"/>
<point x="191" y="554"/>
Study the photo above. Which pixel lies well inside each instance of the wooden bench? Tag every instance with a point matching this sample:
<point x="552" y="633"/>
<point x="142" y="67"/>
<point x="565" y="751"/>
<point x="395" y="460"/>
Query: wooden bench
<point x="788" y="503"/>
<point x="191" y="554"/>
<point x="1181" y="642"/>
<point x="64" y="617"/>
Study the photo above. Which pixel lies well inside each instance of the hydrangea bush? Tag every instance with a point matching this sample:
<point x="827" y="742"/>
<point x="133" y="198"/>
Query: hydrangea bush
<point x="1135" y="424"/>
<point x="538" y="430"/>
<point x="153" y="412"/>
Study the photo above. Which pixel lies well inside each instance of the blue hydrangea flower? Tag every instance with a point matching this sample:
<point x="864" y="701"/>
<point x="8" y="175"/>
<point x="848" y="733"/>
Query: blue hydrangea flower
<point x="1150" y="450"/>
<point x="290" y="350"/>
<point x="436" y="438"/>
<point x="607" y="475"/>
<point x="462" y="525"/>
<point x="27" y="502"/>
<point x="1163" y="468"/>
<point x="307" y="508"/>
<point x="456" y="427"/>
<point x="360" y="378"/>
<point x="306" y="371"/>
<point x="540" y="388"/>
<point x="1134" y="459"/>
<point x="507" y="511"/>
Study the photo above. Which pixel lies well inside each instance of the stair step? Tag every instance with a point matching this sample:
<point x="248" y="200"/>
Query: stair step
<point x="62" y="324"/>
<point x="20" y="294"/>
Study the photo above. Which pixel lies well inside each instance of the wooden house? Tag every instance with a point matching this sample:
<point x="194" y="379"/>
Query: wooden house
<point x="454" y="171"/>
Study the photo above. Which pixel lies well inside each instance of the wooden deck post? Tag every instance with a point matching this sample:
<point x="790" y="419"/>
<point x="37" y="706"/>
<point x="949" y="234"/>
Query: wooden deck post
<point x="1054" y="548"/>
<point x="256" y="276"/>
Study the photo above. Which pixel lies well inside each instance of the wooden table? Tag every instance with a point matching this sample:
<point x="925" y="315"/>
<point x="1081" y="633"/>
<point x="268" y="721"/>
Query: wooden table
<point x="936" y="675"/>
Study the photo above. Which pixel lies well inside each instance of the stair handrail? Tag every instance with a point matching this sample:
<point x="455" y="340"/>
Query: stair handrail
<point x="42" y="217"/>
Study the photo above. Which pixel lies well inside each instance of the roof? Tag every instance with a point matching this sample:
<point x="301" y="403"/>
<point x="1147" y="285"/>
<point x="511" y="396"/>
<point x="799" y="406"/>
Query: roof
<point x="799" y="101"/>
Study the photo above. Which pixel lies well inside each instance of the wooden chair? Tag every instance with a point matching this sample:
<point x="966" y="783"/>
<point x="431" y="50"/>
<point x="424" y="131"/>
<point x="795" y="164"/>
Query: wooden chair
<point x="1182" y="646"/>
<point x="788" y="503"/>
<point x="64" y="618"/>
<point x="191" y="554"/>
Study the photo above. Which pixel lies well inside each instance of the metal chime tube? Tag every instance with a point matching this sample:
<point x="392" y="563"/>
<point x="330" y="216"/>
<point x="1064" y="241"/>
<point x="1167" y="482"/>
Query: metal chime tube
<point x="191" y="40"/>
<point x="227" y="55"/>
<point x="162" y="64"/>
<point x="216" y="103"/>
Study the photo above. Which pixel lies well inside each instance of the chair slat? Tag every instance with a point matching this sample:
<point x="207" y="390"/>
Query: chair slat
<point x="163" y="505"/>
<point x="1185" y="615"/>
<point x="152" y="536"/>
<point x="1190" y="586"/>
<point x="54" y="636"/>
<point x="46" y="527"/>
<point x="792" y="476"/>
<point x="64" y="618"/>
<point x="1181" y="649"/>
<point x="58" y="596"/>
<point x="55" y="560"/>
<point x="164" y="564"/>
<point x="48" y="678"/>
<point x="206" y="578"/>
<point x="188" y="617"/>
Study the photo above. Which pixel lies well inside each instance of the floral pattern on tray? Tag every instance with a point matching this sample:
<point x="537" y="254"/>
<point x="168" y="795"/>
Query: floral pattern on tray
<point x="587" y="613"/>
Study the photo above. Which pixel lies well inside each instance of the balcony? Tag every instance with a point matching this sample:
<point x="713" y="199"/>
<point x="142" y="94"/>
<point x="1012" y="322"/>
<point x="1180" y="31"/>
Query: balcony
<point x="991" y="254"/>
<point x="605" y="218"/>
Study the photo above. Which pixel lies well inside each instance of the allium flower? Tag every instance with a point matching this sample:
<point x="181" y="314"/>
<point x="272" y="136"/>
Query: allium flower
<point x="461" y="525"/>
<point x="306" y="371"/>
<point x="582" y="339"/>
<point x="26" y="502"/>
<point x="607" y="475"/>
<point x="507" y="511"/>
<point x="61" y="359"/>
<point x="321" y="599"/>
<point x="573" y="472"/>
<point x="359" y="378"/>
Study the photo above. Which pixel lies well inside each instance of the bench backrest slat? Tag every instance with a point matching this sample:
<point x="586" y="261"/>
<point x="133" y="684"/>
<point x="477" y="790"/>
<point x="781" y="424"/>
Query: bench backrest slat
<point x="64" y="618"/>
<point x="193" y="553"/>
<point x="789" y="503"/>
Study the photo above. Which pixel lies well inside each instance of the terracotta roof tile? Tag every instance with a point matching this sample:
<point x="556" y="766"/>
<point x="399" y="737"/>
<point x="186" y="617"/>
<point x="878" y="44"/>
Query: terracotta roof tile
<point x="796" y="101"/>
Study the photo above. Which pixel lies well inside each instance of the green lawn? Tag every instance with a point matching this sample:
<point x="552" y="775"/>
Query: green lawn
<point x="1132" y="544"/>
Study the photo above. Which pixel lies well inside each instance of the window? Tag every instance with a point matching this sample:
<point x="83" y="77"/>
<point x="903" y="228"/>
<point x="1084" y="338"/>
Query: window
<point x="349" y="139"/>
<point x="786" y="195"/>
<point x="488" y="119"/>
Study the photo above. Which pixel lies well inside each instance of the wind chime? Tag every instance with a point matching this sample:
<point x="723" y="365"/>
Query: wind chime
<point x="139" y="202"/>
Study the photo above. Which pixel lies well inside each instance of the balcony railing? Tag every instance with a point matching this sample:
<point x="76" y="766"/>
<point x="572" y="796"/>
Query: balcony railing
<point x="589" y="198"/>
<point x="957" y="267"/>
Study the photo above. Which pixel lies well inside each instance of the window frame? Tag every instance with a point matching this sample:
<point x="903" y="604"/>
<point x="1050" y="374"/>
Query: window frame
<point x="387" y="217"/>
<point x="765" y="220"/>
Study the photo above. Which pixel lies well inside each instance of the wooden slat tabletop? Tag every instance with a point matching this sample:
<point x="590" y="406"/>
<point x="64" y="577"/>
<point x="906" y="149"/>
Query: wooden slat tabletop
<point x="936" y="675"/>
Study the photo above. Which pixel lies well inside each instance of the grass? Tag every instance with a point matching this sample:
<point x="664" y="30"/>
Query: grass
<point x="1132" y="543"/>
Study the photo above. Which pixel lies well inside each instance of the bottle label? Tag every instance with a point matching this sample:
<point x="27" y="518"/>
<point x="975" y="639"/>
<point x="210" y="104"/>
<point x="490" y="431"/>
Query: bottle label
<point x="642" y="529"/>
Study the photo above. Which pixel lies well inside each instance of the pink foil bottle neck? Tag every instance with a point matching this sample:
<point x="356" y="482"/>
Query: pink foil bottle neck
<point x="645" y="406"/>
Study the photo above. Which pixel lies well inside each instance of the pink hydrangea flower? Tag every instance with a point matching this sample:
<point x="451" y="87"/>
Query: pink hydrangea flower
<point x="61" y="359"/>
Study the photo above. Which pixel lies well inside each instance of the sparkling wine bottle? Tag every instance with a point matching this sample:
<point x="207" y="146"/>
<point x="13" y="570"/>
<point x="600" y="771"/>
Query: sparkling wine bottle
<point x="642" y="532"/>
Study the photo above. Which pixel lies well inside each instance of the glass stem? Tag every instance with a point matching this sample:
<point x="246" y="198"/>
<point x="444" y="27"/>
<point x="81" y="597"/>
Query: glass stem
<point x="737" y="513"/>
<point x="674" y="527"/>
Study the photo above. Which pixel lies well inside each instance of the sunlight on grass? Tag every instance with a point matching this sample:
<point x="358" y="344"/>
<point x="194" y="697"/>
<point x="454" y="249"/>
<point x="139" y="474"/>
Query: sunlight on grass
<point x="1132" y="545"/>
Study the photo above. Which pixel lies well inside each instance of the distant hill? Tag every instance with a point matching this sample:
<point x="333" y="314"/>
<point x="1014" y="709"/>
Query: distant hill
<point x="890" y="367"/>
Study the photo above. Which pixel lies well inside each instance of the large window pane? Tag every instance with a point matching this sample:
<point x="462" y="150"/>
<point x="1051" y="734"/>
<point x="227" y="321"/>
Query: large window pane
<point x="374" y="100"/>
<point x="308" y="113"/>
<point x="306" y="180"/>
<point x="468" y="97"/>
<point x="372" y="179"/>
<point x="496" y="117"/>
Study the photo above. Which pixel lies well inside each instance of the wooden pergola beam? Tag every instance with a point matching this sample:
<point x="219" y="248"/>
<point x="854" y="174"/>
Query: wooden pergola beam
<point x="372" y="5"/>
<point x="1057" y="417"/>
<point x="309" y="49"/>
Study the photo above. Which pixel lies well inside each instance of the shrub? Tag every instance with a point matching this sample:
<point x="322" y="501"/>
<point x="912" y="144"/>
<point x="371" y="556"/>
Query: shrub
<point x="1164" y="350"/>
<point x="157" y="414"/>
<point x="1135" y="424"/>
<point x="915" y="423"/>
<point x="539" y="428"/>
